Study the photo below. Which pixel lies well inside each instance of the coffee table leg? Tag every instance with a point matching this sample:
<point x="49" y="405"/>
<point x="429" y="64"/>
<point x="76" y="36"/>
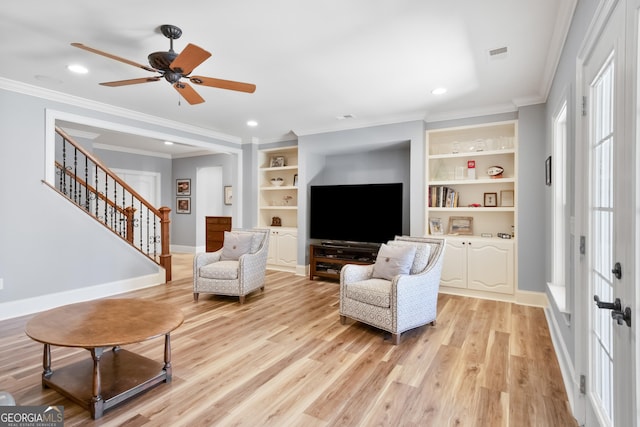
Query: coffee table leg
<point x="96" y="406"/>
<point x="167" y="357"/>
<point x="46" y="363"/>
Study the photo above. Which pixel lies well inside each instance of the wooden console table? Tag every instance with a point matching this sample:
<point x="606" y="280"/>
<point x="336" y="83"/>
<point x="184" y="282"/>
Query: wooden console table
<point x="113" y="376"/>
<point x="326" y="260"/>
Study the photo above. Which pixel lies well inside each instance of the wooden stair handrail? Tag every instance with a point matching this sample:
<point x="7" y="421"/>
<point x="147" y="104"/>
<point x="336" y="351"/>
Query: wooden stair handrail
<point x="162" y="213"/>
<point x="107" y="171"/>
<point x="91" y="188"/>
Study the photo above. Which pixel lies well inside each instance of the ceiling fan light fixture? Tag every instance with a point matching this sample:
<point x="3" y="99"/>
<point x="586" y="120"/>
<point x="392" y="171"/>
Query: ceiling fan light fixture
<point x="252" y="123"/>
<point x="77" y="68"/>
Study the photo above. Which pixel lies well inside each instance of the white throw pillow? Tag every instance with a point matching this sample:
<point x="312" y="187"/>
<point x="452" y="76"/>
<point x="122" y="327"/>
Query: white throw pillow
<point x="235" y="244"/>
<point x="421" y="259"/>
<point x="393" y="260"/>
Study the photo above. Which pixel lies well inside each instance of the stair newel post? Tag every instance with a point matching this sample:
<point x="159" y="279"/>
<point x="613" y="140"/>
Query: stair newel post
<point x="129" y="211"/>
<point x="165" y="256"/>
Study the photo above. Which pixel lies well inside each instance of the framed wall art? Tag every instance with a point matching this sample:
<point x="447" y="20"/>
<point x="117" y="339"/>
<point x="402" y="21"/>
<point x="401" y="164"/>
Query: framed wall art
<point x="183" y="187"/>
<point x="183" y="205"/>
<point x="228" y="195"/>
<point x="547" y="170"/>
<point x="277" y="162"/>
<point x="506" y="198"/>
<point x="490" y="200"/>
<point x="435" y="226"/>
<point x="462" y="225"/>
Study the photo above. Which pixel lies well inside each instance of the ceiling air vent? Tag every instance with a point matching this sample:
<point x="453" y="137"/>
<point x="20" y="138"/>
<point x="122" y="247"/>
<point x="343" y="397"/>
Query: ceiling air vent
<point x="345" y="116"/>
<point x="498" y="53"/>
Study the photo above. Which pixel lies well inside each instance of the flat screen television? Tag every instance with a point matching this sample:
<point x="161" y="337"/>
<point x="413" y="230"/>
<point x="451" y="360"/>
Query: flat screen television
<point x="366" y="213"/>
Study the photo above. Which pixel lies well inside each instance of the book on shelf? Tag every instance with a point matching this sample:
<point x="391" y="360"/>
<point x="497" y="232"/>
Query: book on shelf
<point x="441" y="196"/>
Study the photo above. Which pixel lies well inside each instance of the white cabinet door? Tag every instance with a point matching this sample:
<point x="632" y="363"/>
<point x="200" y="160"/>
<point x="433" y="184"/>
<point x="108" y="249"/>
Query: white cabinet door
<point x="490" y="266"/>
<point x="272" y="254"/>
<point x="287" y="248"/>
<point x="283" y="247"/>
<point x="479" y="264"/>
<point x="454" y="267"/>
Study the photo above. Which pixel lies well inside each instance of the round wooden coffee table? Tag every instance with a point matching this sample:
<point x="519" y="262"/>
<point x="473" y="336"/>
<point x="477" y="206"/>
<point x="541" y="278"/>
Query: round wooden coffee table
<point x="110" y="377"/>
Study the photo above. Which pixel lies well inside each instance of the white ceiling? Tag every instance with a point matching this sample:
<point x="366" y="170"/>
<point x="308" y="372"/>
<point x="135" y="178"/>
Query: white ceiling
<point x="376" y="60"/>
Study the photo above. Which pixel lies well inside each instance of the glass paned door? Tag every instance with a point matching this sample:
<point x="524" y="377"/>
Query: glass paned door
<point x="601" y="143"/>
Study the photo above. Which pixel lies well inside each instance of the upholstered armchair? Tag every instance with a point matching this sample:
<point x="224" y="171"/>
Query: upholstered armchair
<point x="400" y="291"/>
<point x="237" y="269"/>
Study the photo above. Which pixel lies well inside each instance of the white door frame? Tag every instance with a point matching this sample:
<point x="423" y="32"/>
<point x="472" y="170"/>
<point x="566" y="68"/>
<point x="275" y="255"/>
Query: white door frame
<point x="626" y="364"/>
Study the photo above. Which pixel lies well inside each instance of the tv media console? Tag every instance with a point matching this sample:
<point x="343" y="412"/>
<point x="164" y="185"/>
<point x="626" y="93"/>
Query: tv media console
<point x="327" y="259"/>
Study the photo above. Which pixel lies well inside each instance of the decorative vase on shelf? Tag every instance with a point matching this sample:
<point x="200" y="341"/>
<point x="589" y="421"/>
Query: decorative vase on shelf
<point x="277" y="181"/>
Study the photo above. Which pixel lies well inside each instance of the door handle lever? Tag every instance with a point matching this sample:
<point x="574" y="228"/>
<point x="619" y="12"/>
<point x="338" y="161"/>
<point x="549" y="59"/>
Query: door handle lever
<point x="616" y="305"/>
<point x="617" y="313"/>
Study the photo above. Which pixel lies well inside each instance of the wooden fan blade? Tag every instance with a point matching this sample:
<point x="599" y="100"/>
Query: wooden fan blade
<point x="223" y="84"/>
<point x="189" y="58"/>
<point x="117" y="58"/>
<point x="188" y="93"/>
<point x="131" y="81"/>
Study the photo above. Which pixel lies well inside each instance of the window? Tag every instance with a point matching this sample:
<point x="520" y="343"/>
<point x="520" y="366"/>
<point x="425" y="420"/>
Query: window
<point x="559" y="209"/>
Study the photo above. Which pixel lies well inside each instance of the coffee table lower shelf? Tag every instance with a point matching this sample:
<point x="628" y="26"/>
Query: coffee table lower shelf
<point x="122" y="375"/>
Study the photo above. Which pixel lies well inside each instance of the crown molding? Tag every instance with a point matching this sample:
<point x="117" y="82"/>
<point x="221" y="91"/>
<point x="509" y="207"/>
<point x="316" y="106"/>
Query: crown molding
<point x="76" y="101"/>
<point x="564" y="17"/>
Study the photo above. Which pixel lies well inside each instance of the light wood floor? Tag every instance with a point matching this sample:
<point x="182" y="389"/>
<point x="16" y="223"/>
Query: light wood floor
<point x="284" y="359"/>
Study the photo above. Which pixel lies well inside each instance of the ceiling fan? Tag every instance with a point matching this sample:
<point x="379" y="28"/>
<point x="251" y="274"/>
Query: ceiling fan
<point x="174" y="67"/>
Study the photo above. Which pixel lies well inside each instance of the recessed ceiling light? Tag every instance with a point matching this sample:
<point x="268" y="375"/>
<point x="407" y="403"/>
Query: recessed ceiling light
<point x="168" y="143"/>
<point x="439" y="91"/>
<point x="252" y="123"/>
<point x="77" y="68"/>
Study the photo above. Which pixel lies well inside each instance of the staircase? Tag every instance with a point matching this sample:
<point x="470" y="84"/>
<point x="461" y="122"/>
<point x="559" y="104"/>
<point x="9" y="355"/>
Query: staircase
<point x="86" y="182"/>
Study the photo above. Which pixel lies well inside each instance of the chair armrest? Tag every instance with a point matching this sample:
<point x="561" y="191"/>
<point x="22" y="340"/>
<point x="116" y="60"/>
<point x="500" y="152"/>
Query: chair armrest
<point x="252" y="269"/>
<point x="416" y="296"/>
<point x="351" y="273"/>
<point x="203" y="258"/>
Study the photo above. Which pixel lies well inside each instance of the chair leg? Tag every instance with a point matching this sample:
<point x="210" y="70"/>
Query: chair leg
<point x="195" y="296"/>
<point x="395" y="339"/>
<point x="343" y="319"/>
<point x="241" y="299"/>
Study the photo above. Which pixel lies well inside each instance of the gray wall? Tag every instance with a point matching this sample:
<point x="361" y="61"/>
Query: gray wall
<point x="531" y="224"/>
<point x="320" y="152"/>
<point x="183" y="226"/>
<point x="138" y="162"/>
<point x="47" y="245"/>
<point x="564" y="87"/>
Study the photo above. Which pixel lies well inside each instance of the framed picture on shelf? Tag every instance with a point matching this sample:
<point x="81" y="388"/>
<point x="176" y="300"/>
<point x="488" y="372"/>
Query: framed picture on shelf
<point x="506" y="198"/>
<point x="228" y="195"/>
<point x="183" y="187"/>
<point x="490" y="200"/>
<point x="435" y="226"/>
<point x="295" y="180"/>
<point x="277" y="162"/>
<point x="461" y="225"/>
<point x="183" y="205"/>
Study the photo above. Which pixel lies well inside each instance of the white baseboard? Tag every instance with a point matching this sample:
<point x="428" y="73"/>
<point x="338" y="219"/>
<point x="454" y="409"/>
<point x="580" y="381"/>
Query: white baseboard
<point x="536" y="299"/>
<point x="567" y="368"/>
<point x="27" y="306"/>
<point x="181" y="249"/>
